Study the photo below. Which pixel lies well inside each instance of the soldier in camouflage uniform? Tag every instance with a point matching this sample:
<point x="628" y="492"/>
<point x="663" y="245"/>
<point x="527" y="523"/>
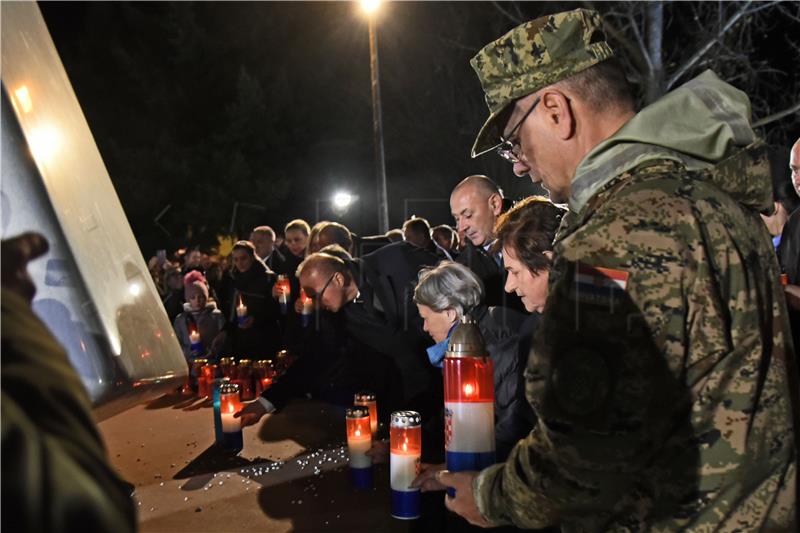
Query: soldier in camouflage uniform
<point x="662" y="372"/>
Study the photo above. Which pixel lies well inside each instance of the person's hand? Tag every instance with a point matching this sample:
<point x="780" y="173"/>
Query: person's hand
<point x="792" y="293"/>
<point x="464" y="502"/>
<point x="247" y="323"/>
<point x="17" y="252"/>
<point x="298" y="306"/>
<point x="379" y="452"/>
<point x="426" y="480"/>
<point x="251" y="413"/>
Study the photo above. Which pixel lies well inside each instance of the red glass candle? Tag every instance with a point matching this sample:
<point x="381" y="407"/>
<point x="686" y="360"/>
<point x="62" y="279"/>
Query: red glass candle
<point x="368" y="400"/>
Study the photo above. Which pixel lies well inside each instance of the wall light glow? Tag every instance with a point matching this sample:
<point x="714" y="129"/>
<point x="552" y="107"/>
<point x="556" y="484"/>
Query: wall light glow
<point x="23" y="98"/>
<point x="45" y="142"/>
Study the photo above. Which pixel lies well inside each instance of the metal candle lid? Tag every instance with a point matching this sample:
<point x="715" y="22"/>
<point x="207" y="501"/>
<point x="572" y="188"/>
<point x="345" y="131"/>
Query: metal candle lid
<point x="227" y="361"/>
<point x="357" y="412"/>
<point x="245" y="362"/>
<point x="466" y="340"/>
<point x="281" y="354"/>
<point x="364" y="396"/>
<point x="405" y="419"/>
<point x="229" y="388"/>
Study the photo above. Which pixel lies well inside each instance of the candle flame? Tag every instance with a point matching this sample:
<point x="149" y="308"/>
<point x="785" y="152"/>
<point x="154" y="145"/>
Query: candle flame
<point x="469" y="389"/>
<point x="231" y="408"/>
<point x="405" y="446"/>
<point x="358" y="432"/>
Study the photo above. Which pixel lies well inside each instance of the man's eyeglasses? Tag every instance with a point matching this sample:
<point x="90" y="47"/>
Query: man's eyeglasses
<point x="508" y="149"/>
<point x="318" y="297"/>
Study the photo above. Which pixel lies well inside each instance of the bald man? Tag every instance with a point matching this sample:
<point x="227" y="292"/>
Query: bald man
<point x="373" y="295"/>
<point x="476" y="203"/>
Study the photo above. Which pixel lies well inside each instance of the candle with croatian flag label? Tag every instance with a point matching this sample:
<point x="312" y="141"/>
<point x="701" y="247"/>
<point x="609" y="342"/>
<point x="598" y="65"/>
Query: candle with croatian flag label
<point x="196" y="345"/>
<point x="241" y="311"/>
<point x="367" y="399"/>
<point x="468" y="401"/>
<point x="308" y="309"/>
<point x="359" y="441"/>
<point x="284" y="292"/>
<point x="405" y="449"/>
<point x="231" y="427"/>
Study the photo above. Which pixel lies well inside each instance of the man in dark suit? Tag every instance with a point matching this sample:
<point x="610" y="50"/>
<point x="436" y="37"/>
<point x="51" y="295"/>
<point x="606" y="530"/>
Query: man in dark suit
<point x="417" y="231"/>
<point x="263" y="238"/>
<point x="374" y="295"/>
<point x="476" y="203"/>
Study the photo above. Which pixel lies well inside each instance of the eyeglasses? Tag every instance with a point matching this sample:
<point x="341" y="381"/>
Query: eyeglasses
<point x="318" y="297"/>
<point x="508" y="149"/>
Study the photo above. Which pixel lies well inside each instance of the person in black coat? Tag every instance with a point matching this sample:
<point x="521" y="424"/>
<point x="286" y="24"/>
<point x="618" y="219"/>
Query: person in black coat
<point x="373" y="295"/>
<point x="263" y="239"/>
<point x="476" y="203"/>
<point x="258" y="335"/>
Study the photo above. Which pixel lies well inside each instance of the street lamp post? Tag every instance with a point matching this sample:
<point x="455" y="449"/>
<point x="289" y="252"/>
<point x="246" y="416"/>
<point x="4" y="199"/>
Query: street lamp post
<point x="377" y="119"/>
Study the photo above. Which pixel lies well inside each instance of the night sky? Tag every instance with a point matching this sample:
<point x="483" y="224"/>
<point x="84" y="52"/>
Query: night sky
<point x="198" y="106"/>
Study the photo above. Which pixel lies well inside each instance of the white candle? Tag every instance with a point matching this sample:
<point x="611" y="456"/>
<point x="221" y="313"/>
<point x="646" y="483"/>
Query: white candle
<point x="241" y="310"/>
<point x="230" y="424"/>
<point x="194" y="337"/>
<point x="358" y="446"/>
<point x="403" y="469"/>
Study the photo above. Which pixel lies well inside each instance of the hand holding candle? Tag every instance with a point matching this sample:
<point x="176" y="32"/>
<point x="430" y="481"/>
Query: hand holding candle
<point x="196" y="346"/>
<point x="241" y="312"/>
<point x="307" y="309"/>
<point x="284" y="292"/>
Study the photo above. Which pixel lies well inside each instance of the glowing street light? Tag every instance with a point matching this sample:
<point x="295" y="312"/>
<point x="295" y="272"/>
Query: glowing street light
<point x="369" y="6"/>
<point x="342" y="200"/>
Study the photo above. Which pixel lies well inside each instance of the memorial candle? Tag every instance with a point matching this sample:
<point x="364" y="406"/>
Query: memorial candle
<point x="308" y="309"/>
<point x="284" y="292"/>
<point x="405" y="449"/>
<point x="359" y="441"/>
<point x="263" y="372"/>
<point x="367" y="399"/>
<point x="231" y="427"/>
<point x="204" y="382"/>
<point x="217" y="407"/>
<point x="468" y="401"/>
<point x="241" y="311"/>
<point x="245" y="379"/>
<point x="196" y="346"/>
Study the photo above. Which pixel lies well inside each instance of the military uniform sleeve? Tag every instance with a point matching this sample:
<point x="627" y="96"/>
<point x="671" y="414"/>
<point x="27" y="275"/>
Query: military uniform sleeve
<point x="607" y="398"/>
<point x="56" y="476"/>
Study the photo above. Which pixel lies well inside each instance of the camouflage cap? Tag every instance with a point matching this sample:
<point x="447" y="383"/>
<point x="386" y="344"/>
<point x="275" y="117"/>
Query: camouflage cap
<point x="534" y="55"/>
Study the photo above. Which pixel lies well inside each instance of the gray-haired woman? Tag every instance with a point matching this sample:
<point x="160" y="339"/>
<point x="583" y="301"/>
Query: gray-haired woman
<point x="443" y="295"/>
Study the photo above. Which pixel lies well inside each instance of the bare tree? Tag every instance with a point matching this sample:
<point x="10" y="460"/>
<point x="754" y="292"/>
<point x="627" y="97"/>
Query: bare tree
<point x="667" y="43"/>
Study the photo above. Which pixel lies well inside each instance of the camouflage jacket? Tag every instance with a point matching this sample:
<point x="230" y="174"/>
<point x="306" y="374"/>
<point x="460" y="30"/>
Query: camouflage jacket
<point x="662" y="372"/>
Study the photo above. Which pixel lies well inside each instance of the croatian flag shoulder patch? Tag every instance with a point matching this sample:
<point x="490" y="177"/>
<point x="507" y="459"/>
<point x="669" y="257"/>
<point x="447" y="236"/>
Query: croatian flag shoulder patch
<point x="593" y="284"/>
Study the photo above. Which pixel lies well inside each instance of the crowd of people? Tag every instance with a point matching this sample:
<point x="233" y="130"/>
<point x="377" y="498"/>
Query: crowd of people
<point x="641" y="322"/>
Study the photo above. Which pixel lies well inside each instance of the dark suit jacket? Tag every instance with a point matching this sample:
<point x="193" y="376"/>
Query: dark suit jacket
<point x="492" y="275"/>
<point x="385" y="318"/>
